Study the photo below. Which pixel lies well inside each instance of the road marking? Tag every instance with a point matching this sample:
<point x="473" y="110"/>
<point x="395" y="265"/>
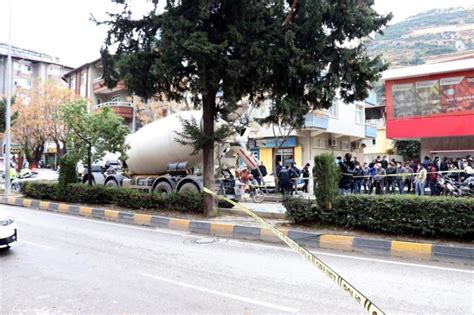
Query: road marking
<point x="34" y="244"/>
<point x="223" y="294"/>
<point x="363" y="258"/>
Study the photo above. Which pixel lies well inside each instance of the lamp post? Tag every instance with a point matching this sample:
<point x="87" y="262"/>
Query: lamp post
<point x="9" y="99"/>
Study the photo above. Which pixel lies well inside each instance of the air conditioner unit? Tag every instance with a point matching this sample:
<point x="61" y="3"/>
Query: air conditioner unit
<point x="333" y="142"/>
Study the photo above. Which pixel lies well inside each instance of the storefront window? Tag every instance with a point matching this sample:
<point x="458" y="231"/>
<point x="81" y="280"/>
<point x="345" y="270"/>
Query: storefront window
<point x="285" y="156"/>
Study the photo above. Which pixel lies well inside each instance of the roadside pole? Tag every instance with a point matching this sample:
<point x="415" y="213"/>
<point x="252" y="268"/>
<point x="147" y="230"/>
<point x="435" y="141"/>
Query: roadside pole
<point x="7" y="110"/>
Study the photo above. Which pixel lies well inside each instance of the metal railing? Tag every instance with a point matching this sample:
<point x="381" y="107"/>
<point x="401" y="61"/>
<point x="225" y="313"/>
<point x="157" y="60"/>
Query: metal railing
<point x="113" y="104"/>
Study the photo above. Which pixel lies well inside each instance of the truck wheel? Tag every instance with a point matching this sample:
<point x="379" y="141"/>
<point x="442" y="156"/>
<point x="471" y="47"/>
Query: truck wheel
<point x="163" y="188"/>
<point x="112" y="183"/>
<point x="189" y="187"/>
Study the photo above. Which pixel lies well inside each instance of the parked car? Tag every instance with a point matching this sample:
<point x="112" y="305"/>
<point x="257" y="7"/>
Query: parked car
<point x="8" y="229"/>
<point x="269" y="182"/>
<point x="41" y="174"/>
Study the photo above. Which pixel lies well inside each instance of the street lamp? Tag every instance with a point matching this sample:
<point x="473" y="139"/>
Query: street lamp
<point x="9" y="99"/>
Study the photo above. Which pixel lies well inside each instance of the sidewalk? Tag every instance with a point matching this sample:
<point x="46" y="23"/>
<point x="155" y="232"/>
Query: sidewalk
<point x="244" y="227"/>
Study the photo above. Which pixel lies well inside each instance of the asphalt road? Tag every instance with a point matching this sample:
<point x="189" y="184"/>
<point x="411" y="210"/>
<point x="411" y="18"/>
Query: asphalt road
<point x="64" y="264"/>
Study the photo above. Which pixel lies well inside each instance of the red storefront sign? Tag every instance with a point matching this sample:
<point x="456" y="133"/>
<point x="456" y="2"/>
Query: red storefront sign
<point x="438" y="105"/>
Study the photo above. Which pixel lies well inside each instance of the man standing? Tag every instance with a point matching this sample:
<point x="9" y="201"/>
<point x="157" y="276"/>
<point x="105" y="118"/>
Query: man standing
<point x="284" y="180"/>
<point x="379" y="179"/>
<point x="391" y="172"/>
<point x="358" y="177"/>
<point x="420" y="180"/>
<point x="295" y="174"/>
<point x="347" y="170"/>
<point x="432" y="178"/>
<point x="401" y="177"/>
<point x="365" y="180"/>
<point x="409" y="177"/>
<point x="384" y="162"/>
<point x="443" y="166"/>
<point x="306" y="177"/>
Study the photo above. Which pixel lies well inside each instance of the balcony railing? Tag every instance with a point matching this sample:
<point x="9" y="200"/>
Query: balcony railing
<point x="313" y="120"/>
<point x="113" y="104"/>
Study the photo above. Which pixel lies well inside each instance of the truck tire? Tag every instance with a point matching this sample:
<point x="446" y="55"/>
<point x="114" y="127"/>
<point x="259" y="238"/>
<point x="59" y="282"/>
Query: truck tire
<point x="112" y="183"/>
<point x="189" y="187"/>
<point x="163" y="188"/>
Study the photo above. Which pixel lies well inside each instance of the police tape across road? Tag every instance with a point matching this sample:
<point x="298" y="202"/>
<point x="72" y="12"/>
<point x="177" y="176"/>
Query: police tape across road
<point x="356" y="295"/>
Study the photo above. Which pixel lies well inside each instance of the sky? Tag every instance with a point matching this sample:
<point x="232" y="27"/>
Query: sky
<point x="62" y="28"/>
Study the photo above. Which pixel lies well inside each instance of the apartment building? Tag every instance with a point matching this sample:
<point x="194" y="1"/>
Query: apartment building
<point x="29" y="66"/>
<point x="87" y="82"/>
<point x="340" y="129"/>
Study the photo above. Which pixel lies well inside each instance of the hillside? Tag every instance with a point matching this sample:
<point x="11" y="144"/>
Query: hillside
<point x="431" y="33"/>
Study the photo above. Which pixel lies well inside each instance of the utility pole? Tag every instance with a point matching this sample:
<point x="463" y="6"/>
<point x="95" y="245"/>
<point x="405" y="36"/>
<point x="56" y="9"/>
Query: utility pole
<point x="9" y="100"/>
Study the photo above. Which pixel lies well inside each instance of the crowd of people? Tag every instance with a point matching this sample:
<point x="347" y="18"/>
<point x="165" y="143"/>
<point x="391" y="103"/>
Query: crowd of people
<point x="389" y="177"/>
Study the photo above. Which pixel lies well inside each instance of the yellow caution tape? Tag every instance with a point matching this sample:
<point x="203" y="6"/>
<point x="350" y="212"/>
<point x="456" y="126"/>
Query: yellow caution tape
<point x="356" y="295"/>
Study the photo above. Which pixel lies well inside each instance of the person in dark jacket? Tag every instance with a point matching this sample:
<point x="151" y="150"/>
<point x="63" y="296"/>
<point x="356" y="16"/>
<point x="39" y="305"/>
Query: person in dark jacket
<point x="384" y="162"/>
<point x="391" y="178"/>
<point x="379" y="179"/>
<point x="443" y="166"/>
<point x="295" y="174"/>
<point x="347" y="170"/>
<point x="358" y="177"/>
<point x="305" y="173"/>
<point x="284" y="179"/>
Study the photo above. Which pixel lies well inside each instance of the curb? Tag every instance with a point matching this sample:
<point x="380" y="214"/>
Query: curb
<point x="328" y="241"/>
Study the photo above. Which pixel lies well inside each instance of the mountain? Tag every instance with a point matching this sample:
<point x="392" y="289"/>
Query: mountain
<point x="428" y="34"/>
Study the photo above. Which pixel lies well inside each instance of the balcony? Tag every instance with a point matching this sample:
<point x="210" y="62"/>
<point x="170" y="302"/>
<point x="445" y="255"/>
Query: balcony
<point x="370" y="131"/>
<point x="101" y="88"/>
<point x="122" y="109"/>
<point x="316" y="120"/>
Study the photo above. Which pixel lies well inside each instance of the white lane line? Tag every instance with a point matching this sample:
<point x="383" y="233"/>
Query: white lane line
<point x="20" y="242"/>
<point x="365" y="259"/>
<point x="223" y="294"/>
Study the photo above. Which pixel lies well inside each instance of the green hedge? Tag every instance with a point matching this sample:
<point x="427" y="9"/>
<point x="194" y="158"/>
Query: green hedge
<point x="122" y="197"/>
<point x="407" y="215"/>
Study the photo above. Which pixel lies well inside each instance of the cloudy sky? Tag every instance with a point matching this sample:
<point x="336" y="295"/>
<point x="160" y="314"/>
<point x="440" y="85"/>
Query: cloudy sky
<point x="62" y="27"/>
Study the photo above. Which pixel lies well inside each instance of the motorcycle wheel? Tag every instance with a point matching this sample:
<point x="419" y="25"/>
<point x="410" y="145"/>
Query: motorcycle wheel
<point x="258" y="196"/>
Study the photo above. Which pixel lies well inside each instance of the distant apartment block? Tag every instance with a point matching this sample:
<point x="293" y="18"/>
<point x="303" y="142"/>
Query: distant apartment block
<point x="87" y="82"/>
<point x="29" y="66"/>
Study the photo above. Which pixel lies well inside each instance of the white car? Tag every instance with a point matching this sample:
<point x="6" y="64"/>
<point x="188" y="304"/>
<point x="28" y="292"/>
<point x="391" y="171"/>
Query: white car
<point x="40" y="174"/>
<point x="269" y="181"/>
<point x="8" y="229"/>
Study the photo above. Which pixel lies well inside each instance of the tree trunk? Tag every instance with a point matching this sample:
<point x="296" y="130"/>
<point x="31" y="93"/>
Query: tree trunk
<point x="58" y="154"/>
<point x="209" y="104"/>
<point x="89" y="165"/>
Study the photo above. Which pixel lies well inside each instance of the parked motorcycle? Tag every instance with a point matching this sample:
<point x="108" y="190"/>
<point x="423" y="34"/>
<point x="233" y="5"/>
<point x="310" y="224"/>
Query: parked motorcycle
<point x="458" y="189"/>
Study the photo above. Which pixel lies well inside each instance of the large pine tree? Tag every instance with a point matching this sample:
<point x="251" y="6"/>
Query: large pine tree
<point x="244" y="48"/>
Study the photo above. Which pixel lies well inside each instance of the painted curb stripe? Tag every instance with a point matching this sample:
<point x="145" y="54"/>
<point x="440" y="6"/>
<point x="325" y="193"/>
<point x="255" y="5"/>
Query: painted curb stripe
<point x="440" y="251"/>
<point x="63" y="208"/>
<point x="372" y="245"/>
<point x="53" y="206"/>
<point x="85" y="211"/>
<point x="19" y="202"/>
<point x="161" y="222"/>
<point x="125" y="217"/>
<point x="11" y="200"/>
<point x="267" y="235"/>
<point x="144" y="219"/>
<point x="200" y="227"/>
<point x="222" y="229"/>
<point x="27" y="203"/>
<point x="305" y="238"/>
<point x="246" y="232"/>
<point x="336" y="241"/>
<point x="179" y="224"/>
<point x="111" y="215"/>
<point x="44" y="205"/>
<point x="98" y="213"/>
<point x="411" y="249"/>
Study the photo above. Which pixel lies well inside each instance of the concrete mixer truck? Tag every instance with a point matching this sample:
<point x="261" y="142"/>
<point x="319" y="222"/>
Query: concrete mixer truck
<point x="156" y="162"/>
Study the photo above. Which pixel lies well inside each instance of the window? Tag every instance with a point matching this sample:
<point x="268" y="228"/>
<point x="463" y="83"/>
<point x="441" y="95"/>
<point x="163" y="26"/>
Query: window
<point x="285" y="156"/>
<point x="345" y="145"/>
<point x="332" y="111"/>
<point x="374" y="142"/>
<point x="320" y="143"/>
<point x="359" y="114"/>
<point x="72" y="82"/>
<point x="83" y="87"/>
<point x="256" y="154"/>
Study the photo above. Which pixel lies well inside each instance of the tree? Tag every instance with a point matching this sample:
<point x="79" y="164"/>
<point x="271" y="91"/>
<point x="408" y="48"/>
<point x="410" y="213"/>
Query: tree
<point x="29" y="128"/>
<point x="409" y="149"/>
<point x="37" y="119"/>
<point x="241" y="48"/>
<point x="91" y="135"/>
